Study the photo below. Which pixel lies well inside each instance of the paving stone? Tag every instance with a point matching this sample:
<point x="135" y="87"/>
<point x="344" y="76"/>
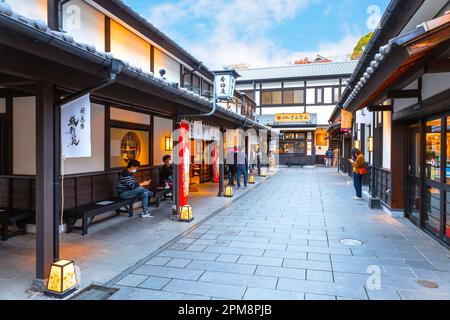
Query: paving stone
<point x="285" y="254"/>
<point x="315" y="275"/>
<point x="307" y="264"/>
<point x="155" y="283"/>
<point x="262" y="261"/>
<point x="206" y="289"/>
<point x="235" y="250"/>
<point x="178" y="263"/>
<point x="222" y="267"/>
<point x="158" y="261"/>
<point x="289" y="273"/>
<point x="189" y="255"/>
<point x="240" y="279"/>
<point x="168" y="272"/>
<point x="228" y="258"/>
<point x="318" y="297"/>
<point x="132" y="280"/>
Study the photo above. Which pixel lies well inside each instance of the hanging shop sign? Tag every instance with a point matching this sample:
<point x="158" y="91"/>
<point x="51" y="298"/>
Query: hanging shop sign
<point x="76" y="128"/>
<point x="293" y="117"/>
<point x="224" y="84"/>
<point x="185" y="161"/>
<point x="346" y="121"/>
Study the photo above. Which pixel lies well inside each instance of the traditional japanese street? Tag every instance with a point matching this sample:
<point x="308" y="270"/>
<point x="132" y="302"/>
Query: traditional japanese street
<point x="282" y="240"/>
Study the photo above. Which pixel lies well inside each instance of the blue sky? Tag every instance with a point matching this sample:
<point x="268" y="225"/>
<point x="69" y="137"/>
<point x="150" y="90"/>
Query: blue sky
<point x="263" y="32"/>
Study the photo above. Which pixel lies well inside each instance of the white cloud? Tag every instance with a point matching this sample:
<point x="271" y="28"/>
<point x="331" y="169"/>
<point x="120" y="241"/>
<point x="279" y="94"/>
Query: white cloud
<point x="235" y="31"/>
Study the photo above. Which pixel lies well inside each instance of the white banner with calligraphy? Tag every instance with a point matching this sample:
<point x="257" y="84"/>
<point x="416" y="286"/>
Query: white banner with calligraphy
<point x="76" y="128"/>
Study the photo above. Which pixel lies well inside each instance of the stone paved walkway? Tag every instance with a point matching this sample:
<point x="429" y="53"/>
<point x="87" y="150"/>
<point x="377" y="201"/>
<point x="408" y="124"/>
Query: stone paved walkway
<point x="282" y="241"/>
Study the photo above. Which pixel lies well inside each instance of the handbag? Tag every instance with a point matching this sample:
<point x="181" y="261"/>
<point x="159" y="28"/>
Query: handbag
<point x="363" y="171"/>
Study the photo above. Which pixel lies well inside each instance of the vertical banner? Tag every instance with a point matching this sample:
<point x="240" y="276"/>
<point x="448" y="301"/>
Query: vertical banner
<point x="346" y="121"/>
<point x="185" y="162"/>
<point x="76" y="128"/>
<point x="216" y="161"/>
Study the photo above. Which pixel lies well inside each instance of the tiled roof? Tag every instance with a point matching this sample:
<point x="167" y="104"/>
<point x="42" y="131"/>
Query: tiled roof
<point x="299" y="71"/>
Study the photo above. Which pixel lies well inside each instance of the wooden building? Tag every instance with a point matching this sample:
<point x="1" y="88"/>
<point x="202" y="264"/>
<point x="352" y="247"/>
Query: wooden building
<point x="399" y="95"/>
<point x="141" y="85"/>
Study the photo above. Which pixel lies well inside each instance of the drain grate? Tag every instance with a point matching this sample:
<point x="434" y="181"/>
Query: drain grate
<point x="428" y="284"/>
<point x="95" y="292"/>
<point x="351" y="242"/>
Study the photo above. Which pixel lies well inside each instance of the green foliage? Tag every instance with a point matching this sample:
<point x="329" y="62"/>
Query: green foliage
<point x="359" y="49"/>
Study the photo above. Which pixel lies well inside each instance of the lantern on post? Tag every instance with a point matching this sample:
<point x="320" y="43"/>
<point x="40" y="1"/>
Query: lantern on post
<point x="224" y="84"/>
<point x="263" y="172"/>
<point x="370" y="144"/>
<point x="168" y="143"/>
<point x="229" y="192"/>
<point x="186" y="214"/>
<point x="252" y="179"/>
<point x="62" y="280"/>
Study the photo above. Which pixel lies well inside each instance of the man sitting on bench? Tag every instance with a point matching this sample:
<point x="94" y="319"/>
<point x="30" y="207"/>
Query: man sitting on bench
<point x="167" y="172"/>
<point x="128" y="188"/>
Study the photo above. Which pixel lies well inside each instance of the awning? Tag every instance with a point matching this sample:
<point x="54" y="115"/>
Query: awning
<point x="401" y="60"/>
<point x="334" y="127"/>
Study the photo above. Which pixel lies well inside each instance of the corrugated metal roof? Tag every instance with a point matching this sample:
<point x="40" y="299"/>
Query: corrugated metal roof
<point x="299" y="71"/>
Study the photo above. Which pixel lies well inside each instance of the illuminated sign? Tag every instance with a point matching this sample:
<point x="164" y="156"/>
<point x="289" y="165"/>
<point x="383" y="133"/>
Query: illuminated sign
<point x="293" y="117"/>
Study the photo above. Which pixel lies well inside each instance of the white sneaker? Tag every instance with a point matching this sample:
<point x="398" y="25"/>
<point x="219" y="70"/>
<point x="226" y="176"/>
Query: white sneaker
<point x="147" y="215"/>
<point x="357" y="198"/>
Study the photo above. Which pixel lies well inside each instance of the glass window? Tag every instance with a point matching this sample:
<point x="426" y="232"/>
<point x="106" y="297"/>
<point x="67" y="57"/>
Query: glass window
<point x="300" y="136"/>
<point x="187" y="80"/>
<point x="337" y="95"/>
<point x="286" y="148"/>
<point x="129" y="144"/>
<point x="310" y="96"/>
<point x="448" y="155"/>
<point x="447" y="227"/>
<point x="266" y="98"/>
<point x="288" y="97"/>
<point x="433" y="150"/>
<point x="289" y="136"/>
<point x="277" y="97"/>
<point x="300" y="147"/>
<point x="328" y="96"/>
<point x="299" y="96"/>
<point x="319" y="96"/>
<point x="433" y="208"/>
<point x="196" y="84"/>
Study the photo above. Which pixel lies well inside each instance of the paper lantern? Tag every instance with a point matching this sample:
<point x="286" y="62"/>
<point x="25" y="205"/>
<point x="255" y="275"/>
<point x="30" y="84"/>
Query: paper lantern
<point x="229" y="192"/>
<point x="251" y="180"/>
<point x="62" y="280"/>
<point x="168" y="144"/>
<point x="357" y="144"/>
<point x="263" y="172"/>
<point x="370" y="144"/>
<point x="186" y="213"/>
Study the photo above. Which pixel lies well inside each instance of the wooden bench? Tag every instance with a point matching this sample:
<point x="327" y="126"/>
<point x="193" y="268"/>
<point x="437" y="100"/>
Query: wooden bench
<point x="11" y="217"/>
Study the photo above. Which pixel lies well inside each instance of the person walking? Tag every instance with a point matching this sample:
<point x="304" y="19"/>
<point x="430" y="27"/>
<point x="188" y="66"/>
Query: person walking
<point x="359" y="170"/>
<point x="328" y="158"/>
<point x="242" y="168"/>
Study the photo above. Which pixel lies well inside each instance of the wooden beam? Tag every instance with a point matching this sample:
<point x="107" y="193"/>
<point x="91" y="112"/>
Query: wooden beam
<point x="404" y="94"/>
<point x="53" y="14"/>
<point x="44" y="182"/>
<point x="438" y="66"/>
<point x="380" y="108"/>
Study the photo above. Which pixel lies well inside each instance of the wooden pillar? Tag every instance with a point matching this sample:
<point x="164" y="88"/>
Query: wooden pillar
<point x="398" y="165"/>
<point x="53" y="14"/>
<point x="44" y="182"/>
<point x="57" y="175"/>
<point x="221" y="162"/>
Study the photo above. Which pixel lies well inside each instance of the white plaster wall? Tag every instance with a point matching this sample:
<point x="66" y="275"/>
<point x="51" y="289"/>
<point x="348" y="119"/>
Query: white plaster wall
<point x="323" y="113"/>
<point x="129" y="116"/>
<point x="172" y="67"/>
<point x="2" y="105"/>
<point x="433" y="84"/>
<point x="34" y="9"/>
<point x="96" y="163"/>
<point x="162" y="128"/>
<point x="84" y="23"/>
<point x="24" y="136"/>
<point x="387" y="127"/>
<point x="400" y="104"/>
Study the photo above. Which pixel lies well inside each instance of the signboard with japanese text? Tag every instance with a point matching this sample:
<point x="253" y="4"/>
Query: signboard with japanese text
<point x="76" y="128"/>
<point x="346" y="121"/>
<point x="293" y="117"/>
<point x="224" y="86"/>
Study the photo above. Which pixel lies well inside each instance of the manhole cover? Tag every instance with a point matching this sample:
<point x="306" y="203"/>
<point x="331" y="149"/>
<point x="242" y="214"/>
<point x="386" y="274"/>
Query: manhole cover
<point x="94" y="292"/>
<point x="428" y="284"/>
<point x="351" y="242"/>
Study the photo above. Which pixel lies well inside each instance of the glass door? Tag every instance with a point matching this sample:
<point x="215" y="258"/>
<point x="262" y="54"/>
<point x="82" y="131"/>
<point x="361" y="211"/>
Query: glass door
<point x="447" y="181"/>
<point x="413" y="178"/>
<point x="433" y="180"/>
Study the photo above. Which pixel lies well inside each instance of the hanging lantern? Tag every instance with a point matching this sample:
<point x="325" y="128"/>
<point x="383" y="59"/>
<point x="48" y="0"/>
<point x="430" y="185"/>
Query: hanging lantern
<point x="168" y="144"/>
<point x="229" y="192"/>
<point x="186" y="214"/>
<point x="251" y="179"/>
<point x="357" y="144"/>
<point x="62" y="280"/>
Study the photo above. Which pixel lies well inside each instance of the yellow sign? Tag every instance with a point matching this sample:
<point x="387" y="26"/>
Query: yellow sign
<point x="346" y="121"/>
<point x="293" y="117"/>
